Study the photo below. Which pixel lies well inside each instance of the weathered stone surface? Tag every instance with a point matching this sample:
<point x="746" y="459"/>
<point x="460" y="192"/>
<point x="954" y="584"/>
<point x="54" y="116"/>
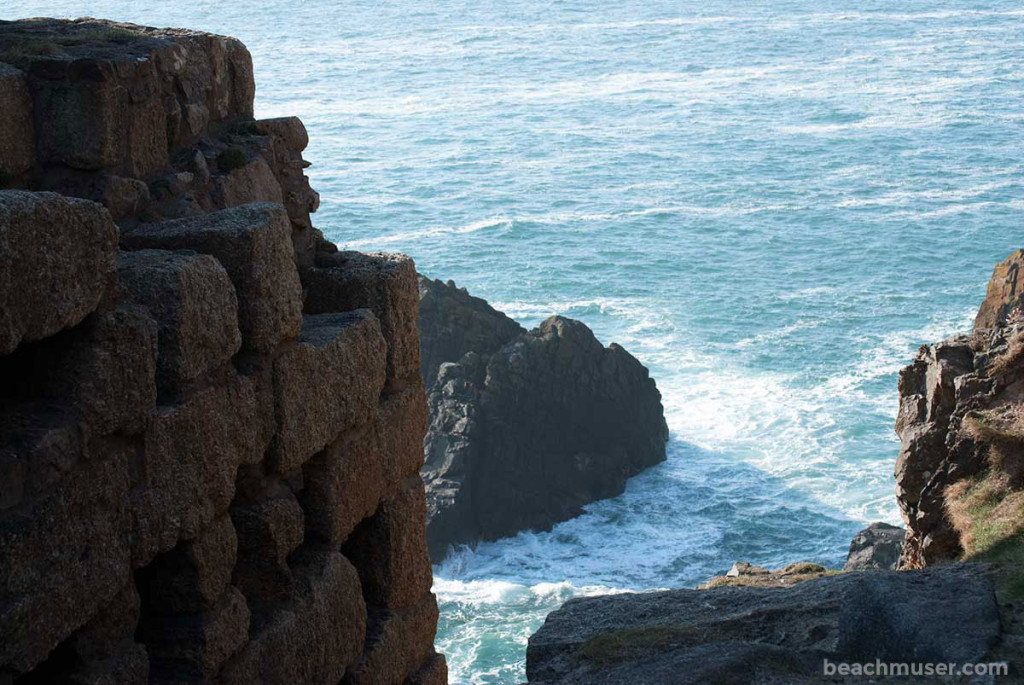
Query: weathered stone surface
<point x="524" y="438"/>
<point x="253" y="244"/>
<point x="389" y="549"/>
<point x="745" y="574"/>
<point x="344" y="484"/>
<point x="192" y="453"/>
<point x="65" y="555"/>
<point x="383" y="283"/>
<point x="17" y="152"/>
<point x="194" y="303"/>
<point x="452" y="322"/>
<point x="193" y="576"/>
<point x="290" y="130"/>
<point x="193" y="647"/>
<point x="267" y="533"/>
<point x="876" y="547"/>
<point x="435" y="672"/>
<point x="402" y="422"/>
<point x="398" y="644"/>
<point x="114" y="94"/>
<point x="327" y="382"/>
<point x="57" y="261"/>
<point x="942" y="615"/>
<point x="102" y="372"/>
<point x="1003" y="298"/>
<point x="254" y="182"/>
<point x="316" y="636"/>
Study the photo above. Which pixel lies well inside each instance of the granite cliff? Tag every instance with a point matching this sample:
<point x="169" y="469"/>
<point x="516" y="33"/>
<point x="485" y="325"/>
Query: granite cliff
<point x="525" y="427"/>
<point x="211" y="420"/>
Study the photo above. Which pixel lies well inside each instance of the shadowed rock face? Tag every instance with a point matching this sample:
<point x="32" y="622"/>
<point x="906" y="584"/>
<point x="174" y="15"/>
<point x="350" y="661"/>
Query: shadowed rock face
<point x="768" y="635"/>
<point x="523" y="436"/>
<point x="211" y="421"/>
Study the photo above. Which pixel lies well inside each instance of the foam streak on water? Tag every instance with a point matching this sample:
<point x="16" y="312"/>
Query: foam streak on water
<point x="772" y="204"/>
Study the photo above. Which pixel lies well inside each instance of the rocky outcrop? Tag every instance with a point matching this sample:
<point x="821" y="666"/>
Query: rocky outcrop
<point x="152" y="123"/>
<point x="525" y="435"/>
<point x="452" y="322"/>
<point x="210" y="426"/>
<point x="958" y="421"/>
<point x="876" y="547"/>
<point x="745" y="574"/>
<point x="768" y="635"/>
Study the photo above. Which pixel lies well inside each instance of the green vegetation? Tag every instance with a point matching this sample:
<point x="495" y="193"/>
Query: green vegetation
<point x="6" y="179"/>
<point x="232" y="158"/>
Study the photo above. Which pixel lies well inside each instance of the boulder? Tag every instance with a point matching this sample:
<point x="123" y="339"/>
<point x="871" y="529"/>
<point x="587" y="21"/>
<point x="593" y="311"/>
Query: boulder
<point x="191" y="454"/>
<point x="525" y="437"/>
<point x="398" y="644"/>
<point x="941" y="615"/>
<point x="57" y="262"/>
<point x="382" y="283"/>
<point x="253" y="244"/>
<point x="316" y="637"/>
<point x="194" y="304"/>
<point x="194" y="575"/>
<point x="65" y="555"/>
<point x="390" y="552"/>
<point x="876" y="547"/>
<point x="325" y="383"/>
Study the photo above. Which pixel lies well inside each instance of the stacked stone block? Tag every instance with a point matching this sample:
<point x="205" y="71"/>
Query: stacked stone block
<point x="210" y="423"/>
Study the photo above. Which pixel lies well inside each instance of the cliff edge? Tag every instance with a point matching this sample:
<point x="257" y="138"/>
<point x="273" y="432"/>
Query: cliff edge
<point x="211" y="421"/>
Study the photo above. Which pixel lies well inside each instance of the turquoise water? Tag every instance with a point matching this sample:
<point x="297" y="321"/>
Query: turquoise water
<point x="770" y="204"/>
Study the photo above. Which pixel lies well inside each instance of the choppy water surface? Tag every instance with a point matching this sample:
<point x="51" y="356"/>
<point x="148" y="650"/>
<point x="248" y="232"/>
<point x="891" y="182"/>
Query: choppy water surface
<point x="771" y="204"/>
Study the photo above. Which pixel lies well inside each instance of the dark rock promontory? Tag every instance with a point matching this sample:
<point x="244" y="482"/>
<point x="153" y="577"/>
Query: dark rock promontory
<point x="768" y="635"/>
<point x="524" y="432"/>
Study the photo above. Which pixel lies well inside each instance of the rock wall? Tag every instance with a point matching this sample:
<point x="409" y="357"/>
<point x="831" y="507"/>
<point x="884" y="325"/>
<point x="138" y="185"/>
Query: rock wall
<point x="211" y="421"/>
<point x="526" y="427"/>
<point x="949" y="384"/>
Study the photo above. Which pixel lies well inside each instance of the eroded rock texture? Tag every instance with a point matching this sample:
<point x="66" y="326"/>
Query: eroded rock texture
<point x="766" y="634"/>
<point x="526" y="427"/>
<point x="210" y="433"/>
<point x="959" y="408"/>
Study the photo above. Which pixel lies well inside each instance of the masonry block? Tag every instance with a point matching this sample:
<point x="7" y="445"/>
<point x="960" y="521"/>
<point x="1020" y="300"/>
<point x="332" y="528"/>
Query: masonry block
<point x="194" y="304"/>
<point x="253" y="244"/>
<point x="57" y="261"/>
<point x="325" y="383"/>
<point x="383" y="283"/>
<point x="390" y="550"/>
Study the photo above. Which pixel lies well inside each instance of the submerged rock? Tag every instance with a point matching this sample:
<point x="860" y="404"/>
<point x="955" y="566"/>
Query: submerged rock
<point x="876" y="547"/>
<point x="525" y="427"/>
<point x="768" y="635"/>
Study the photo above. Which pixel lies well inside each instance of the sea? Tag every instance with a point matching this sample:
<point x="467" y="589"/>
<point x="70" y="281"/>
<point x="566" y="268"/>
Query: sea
<point x="771" y="204"/>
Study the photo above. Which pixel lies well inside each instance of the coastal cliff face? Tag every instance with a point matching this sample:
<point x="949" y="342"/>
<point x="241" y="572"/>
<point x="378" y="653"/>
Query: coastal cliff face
<point x="526" y="427"/>
<point x="959" y="476"/>
<point x="211" y="420"/>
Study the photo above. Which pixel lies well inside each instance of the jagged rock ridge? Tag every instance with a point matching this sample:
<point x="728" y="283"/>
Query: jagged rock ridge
<point x="525" y="427"/>
<point x="211" y="421"/>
